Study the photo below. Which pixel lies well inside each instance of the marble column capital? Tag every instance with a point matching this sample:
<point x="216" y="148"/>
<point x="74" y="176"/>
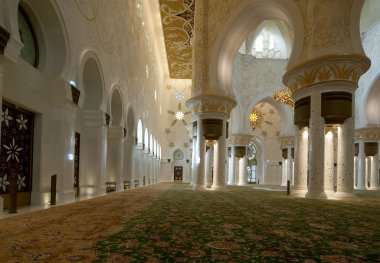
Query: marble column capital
<point x="94" y="118"/>
<point x="115" y="132"/>
<point x="327" y="69"/>
<point x="217" y="104"/>
<point x="60" y="92"/>
<point x="370" y="133"/>
<point x="239" y="139"/>
<point x="287" y="141"/>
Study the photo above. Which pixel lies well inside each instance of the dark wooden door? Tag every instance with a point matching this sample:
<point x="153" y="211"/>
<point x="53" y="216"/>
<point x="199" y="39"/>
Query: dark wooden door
<point x="16" y="158"/>
<point x="76" y="163"/>
<point x="178" y="173"/>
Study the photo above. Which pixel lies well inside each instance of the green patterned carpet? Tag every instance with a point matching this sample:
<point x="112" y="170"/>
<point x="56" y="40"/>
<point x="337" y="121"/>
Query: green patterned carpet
<point x="245" y="225"/>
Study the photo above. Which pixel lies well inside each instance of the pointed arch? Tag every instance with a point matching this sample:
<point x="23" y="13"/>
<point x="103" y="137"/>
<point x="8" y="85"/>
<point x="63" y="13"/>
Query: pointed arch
<point x="116" y="106"/>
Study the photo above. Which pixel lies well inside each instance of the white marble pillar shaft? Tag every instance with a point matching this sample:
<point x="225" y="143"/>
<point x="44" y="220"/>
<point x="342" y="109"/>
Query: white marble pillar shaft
<point x="138" y="162"/>
<point x="374" y="172"/>
<point x="355" y="171"/>
<point x="200" y="157"/>
<point x="289" y="165"/>
<point x="329" y="163"/>
<point x="233" y="162"/>
<point x="208" y="166"/>
<point x="219" y="180"/>
<point x="316" y="150"/>
<point x="284" y="171"/>
<point x="300" y="175"/>
<point x="243" y="170"/>
<point x="193" y="161"/>
<point x="345" y="154"/>
<point x="361" y="167"/>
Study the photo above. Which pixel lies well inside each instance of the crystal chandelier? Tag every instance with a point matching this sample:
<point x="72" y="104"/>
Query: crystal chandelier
<point x="284" y="96"/>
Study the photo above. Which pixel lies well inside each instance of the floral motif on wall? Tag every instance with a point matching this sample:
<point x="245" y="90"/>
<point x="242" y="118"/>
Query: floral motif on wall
<point x="16" y="147"/>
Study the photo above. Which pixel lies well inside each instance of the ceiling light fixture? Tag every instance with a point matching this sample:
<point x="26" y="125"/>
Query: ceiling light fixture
<point x="179" y="115"/>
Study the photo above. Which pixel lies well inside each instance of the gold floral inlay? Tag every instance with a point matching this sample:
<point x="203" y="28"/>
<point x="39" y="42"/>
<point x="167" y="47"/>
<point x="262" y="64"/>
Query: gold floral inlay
<point x="178" y="24"/>
<point x="338" y="67"/>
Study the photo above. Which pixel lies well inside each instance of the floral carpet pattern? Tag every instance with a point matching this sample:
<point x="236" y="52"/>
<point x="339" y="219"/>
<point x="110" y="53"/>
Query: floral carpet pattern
<point x="171" y="223"/>
<point x="245" y="225"/>
<point x="69" y="233"/>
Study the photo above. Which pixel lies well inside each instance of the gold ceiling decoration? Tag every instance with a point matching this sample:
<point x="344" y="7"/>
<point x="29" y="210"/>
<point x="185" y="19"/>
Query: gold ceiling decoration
<point x="255" y="118"/>
<point x="178" y="22"/>
<point x="284" y="96"/>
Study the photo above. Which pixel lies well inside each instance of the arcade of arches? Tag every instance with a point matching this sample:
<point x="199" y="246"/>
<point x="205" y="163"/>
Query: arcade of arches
<point x="114" y="95"/>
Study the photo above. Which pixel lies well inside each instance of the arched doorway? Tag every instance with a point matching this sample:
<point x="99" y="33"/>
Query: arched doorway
<point x="178" y="163"/>
<point x="93" y="154"/>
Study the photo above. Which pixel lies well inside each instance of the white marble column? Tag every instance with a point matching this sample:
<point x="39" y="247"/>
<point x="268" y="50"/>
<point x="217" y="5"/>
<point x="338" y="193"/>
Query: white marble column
<point x="345" y="153"/>
<point x="300" y="175"/>
<point x="329" y="164"/>
<point x="200" y="157"/>
<point x="129" y="157"/>
<point x="115" y="156"/>
<point x="361" y="167"/>
<point x="316" y="150"/>
<point x="193" y="161"/>
<point x="232" y="166"/>
<point x="374" y="172"/>
<point x="284" y="175"/>
<point x="289" y="165"/>
<point x="138" y="162"/>
<point x="150" y="172"/>
<point x="243" y="170"/>
<point x="355" y="171"/>
<point x="208" y="166"/>
<point x="367" y="170"/>
<point x="93" y="157"/>
<point x="219" y="181"/>
<point x="144" y="168"/>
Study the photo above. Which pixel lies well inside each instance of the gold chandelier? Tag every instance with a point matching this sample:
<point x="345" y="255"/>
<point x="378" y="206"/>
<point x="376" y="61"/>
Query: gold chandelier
<point x="284" y="96"/>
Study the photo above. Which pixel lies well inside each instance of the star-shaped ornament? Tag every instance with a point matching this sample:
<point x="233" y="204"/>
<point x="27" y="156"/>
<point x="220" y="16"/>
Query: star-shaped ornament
<point x="179" y="115"/>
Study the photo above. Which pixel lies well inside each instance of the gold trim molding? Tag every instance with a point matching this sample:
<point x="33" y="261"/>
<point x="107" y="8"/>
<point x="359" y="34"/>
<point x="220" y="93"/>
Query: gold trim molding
<point x="211" y="104"/>
<point x="244" y="139"/>
<point x="338" y="67"/>
<point x="368" y="133"/>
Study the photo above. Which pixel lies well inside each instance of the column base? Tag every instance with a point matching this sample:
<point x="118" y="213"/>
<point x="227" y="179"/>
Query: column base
<point x="345" y="196"/>
<point x="298" y="193"/>
<point x="241" y="184"/>
<point x="67" y="196"/>
<point x="361" y="187"/>
<point x="330" y="194"/>
<point x="284" y="184"/>
<point x="316" y="195"/>
<point x="374" y="188"/>
<point x="92" y="190"/>
<point x="218" y="187"/>
<point x="199" y="187"/>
